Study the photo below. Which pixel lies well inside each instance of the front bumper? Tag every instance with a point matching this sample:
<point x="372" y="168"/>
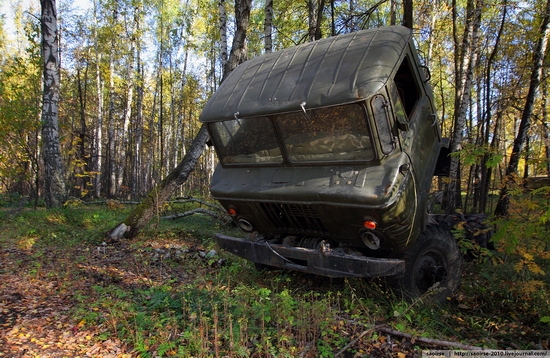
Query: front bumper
<point x="324" y="262"/>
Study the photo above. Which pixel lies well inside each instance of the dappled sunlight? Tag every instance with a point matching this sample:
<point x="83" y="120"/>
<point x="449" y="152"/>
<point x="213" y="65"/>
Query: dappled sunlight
<point x="56" y="218"/>
<point x="27" y="242"/>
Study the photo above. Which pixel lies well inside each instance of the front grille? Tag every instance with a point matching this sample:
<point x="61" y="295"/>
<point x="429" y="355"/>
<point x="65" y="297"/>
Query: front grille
<point x="293" y="218"/>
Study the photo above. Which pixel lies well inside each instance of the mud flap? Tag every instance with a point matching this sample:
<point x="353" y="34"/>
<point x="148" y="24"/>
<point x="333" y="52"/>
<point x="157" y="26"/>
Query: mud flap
<point x="327" y="262"/>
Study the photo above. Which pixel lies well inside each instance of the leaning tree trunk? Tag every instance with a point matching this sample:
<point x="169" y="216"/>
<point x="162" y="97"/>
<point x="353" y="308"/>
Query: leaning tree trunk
<point x="519" y="142"/>
<point x="148" y="208"/>
<point x="54" y="184"/>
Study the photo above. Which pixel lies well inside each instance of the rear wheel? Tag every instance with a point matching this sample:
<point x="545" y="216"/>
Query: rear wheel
<point x="433" y="266"/>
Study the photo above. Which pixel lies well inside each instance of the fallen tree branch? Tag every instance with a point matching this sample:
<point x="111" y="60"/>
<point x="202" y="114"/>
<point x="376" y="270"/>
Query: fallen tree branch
<point x="106" y="202"/>
<point x="430" y="341"/>
<point x="211" y="213"/>
<point x="190" y="199"/>
<point x="354" y="342"/>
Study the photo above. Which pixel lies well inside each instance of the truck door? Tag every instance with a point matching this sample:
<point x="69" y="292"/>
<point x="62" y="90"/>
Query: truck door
<point x="418" y="128"/>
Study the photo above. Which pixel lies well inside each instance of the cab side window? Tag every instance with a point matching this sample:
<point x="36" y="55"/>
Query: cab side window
<point x="407" y="87"/>
<point x="398" y="108"/>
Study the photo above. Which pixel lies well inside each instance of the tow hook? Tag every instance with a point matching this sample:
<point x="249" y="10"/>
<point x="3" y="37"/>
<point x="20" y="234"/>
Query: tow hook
<point x="324" y="247"/>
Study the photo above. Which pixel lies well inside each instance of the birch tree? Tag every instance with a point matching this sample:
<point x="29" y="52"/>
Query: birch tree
<point x="98" y="130"/>
<point x="111" y="148"/>
<point x="315" y="16"/>
<point x="268" y="26"/>
<point x="485" y="169"/>
<point x="54" y="183"/>
<point x="464" y="59"/>
<point x="223" y="32"/>
<point x="132" y="35"/>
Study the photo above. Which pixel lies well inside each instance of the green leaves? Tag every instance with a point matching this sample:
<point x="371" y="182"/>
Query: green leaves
<point x="472" y="154"/>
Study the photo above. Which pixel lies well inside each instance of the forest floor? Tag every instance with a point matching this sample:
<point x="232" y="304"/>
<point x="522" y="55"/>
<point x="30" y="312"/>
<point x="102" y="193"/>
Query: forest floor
<point x="35" y="311"/>
<point x="36" y="306"/>
<point x="66" y="293"/>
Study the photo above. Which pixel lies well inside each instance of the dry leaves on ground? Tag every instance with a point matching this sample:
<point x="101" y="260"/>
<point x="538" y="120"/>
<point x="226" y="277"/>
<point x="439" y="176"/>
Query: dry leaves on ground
<point x="34" y="318"/>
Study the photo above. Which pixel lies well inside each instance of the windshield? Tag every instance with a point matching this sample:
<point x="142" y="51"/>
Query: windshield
<point x="329" y="134"/>
<point x="246" y="141"/>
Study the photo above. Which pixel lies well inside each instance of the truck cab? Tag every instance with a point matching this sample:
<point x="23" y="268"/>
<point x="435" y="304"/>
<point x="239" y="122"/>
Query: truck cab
<point x="327" y="152"/>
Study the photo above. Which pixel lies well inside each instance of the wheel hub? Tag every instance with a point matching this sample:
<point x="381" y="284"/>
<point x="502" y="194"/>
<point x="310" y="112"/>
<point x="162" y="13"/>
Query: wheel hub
<point x="430" y="272"/>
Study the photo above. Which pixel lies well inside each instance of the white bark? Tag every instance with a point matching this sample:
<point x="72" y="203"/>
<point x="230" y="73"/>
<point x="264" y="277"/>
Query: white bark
<point x="54" y="184"/>
<point x="312" y="16"/>
<point x="464" y="74"/>
<point x="223" y="32"/>
<point x="268" y="26"/>
<point x="128" y="109"/>
<point x="112" y="138"/>
<point x="98" y="137"/>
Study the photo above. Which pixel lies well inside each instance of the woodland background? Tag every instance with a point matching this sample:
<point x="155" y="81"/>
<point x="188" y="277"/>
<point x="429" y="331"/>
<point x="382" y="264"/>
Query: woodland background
<point x="135" y="75"/>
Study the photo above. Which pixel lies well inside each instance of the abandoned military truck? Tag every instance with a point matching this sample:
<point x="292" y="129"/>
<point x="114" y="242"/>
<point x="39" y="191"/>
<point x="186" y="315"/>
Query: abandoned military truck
<point x="327" y="152"/>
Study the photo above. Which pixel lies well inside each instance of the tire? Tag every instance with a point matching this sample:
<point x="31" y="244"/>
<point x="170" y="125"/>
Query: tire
<point x="477" y="230"/>
<point x="433" y="263"/>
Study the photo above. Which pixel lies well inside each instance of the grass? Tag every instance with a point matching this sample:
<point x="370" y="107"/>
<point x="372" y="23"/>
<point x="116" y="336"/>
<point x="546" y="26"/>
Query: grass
<point x="161" y="296"/>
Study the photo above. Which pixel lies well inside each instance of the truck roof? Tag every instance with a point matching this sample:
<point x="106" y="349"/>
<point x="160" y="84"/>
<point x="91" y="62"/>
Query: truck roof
<point x="336" y="70"/>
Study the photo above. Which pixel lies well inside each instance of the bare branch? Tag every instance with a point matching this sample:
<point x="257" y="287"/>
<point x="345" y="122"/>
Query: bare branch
<point x="211" y="213"/>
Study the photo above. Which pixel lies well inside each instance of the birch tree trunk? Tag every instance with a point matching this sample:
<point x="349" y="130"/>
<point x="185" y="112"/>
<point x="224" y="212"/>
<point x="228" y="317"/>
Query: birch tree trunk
<point x="268" y="26"/>
<point x="54" y="184"/>
<point x="83" y="132"/>
<point x="111" y="158"/>
<point x="315" y="15"/>
<point x="519" y="142"/>
<point x="128" y="109"/>
<point x="239" y="48"/>
<point x="98" y="135"/>
<point x="351" y="26"/>
<point x="148" y="208"/>
<point x="223" y="32"/>
<point x="485" y="170"/>
<point x="111" y="134"/>
<point x="138" y="174"/>
<point x="312" y="17"/>
<point x="463" y="73"/>
<point x="393" y="12"/>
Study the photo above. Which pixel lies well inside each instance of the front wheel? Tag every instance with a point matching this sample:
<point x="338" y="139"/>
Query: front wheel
<point x="433" y="266"/>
